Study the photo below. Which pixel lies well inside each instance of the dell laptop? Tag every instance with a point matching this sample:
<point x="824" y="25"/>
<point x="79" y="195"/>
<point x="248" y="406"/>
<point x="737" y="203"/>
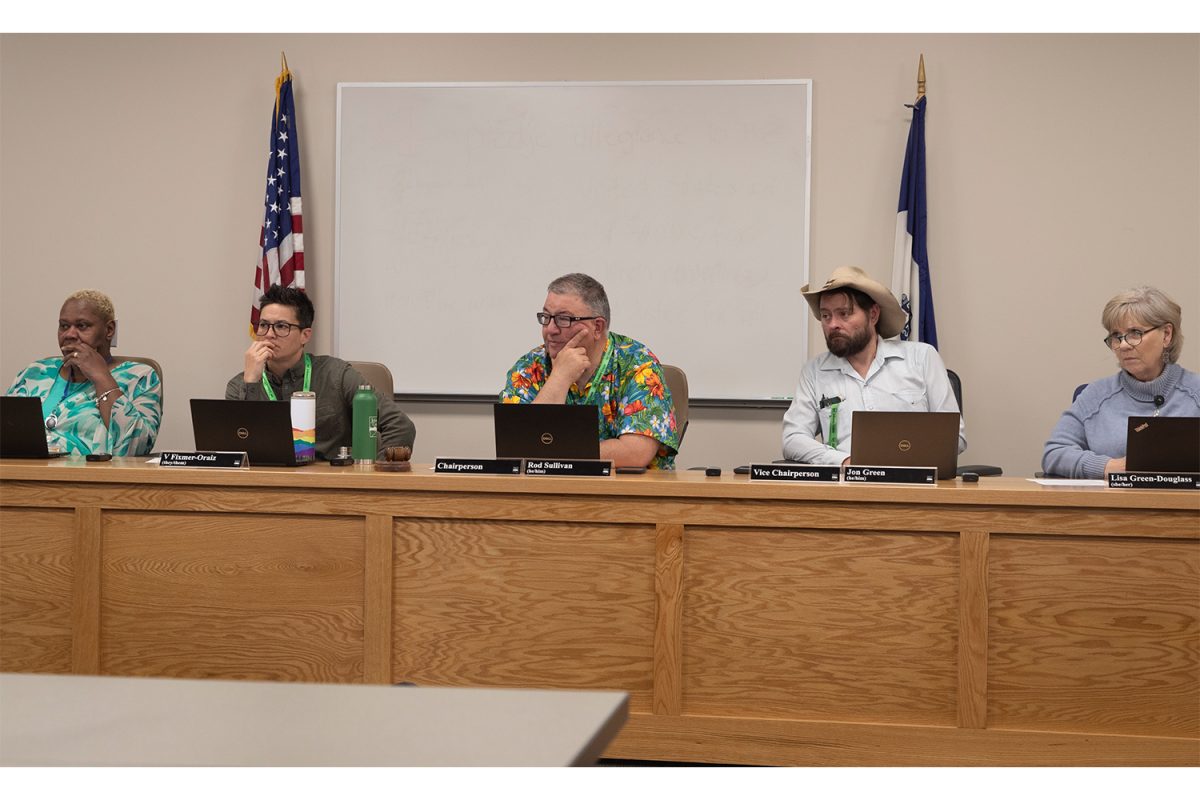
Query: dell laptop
<point x="906" y="439"/>
<point x="532" y="430"/>
<point x="261" y="428"/>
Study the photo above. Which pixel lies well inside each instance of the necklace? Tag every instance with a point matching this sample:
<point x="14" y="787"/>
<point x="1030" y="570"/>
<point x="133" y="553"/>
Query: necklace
<point x="59" y="393"/>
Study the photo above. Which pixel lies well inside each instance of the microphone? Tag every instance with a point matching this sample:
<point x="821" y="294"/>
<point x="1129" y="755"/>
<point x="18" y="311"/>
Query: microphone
<point x="1159" y="400"/>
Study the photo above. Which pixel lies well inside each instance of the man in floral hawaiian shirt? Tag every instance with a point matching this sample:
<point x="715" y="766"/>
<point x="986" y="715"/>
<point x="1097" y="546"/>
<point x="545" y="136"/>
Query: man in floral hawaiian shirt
<point x="583" y="363"/>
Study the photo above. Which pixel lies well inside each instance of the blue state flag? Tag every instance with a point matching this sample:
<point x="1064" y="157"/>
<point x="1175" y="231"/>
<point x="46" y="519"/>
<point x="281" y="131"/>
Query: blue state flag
<point x="910" y="266"/>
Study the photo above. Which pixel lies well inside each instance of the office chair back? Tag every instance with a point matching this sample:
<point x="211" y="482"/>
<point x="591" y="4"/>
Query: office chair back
<point x="677" y="382"/>
<point x="376" y="374"/>
<point x="956" y="387"/>
<point x="152" y="364"/>
<point x="978" y="469"/>
<point x="1078" y="390"/>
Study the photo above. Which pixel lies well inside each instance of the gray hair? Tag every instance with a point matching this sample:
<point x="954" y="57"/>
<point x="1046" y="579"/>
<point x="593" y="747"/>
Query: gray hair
<point x="1150" y="307"/>
<point x="587" y="289"/>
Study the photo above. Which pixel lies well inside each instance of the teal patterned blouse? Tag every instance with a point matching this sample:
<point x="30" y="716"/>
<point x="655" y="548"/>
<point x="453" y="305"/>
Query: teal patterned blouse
<point x="632" y="396"/>
<point x="133" y="423"/>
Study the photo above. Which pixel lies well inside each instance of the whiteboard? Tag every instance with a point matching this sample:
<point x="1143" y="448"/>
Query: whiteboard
<point x="458" y="203"/>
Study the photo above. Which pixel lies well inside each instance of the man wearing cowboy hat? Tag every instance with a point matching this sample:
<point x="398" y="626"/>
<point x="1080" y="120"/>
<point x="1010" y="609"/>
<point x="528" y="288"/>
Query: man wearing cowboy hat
<point x="864" y="370"/>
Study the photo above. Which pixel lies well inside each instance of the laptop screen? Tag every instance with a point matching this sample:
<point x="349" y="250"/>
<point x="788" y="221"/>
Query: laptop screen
<point x="906" y="439"/>
<point x="548" y="430"/>
<point x="261" y="428"/>
<point x="1163" y="444"/>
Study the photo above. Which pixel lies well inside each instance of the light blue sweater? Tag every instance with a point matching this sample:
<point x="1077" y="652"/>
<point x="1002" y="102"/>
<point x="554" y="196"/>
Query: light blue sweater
<point x="1094" y="428"/>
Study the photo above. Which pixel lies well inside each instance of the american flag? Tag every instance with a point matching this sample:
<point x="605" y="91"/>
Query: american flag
<point x="282" y="235"/>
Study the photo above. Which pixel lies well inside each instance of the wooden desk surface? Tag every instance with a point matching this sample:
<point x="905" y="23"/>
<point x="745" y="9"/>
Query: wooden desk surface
<point x="70" y="720"/>
<point x="997" y="623"/>
<point x="995" y="491"/>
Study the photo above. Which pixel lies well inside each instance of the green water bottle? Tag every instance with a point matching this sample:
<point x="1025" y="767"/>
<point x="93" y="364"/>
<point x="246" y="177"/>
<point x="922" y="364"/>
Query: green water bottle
<point x="366" y="421"/>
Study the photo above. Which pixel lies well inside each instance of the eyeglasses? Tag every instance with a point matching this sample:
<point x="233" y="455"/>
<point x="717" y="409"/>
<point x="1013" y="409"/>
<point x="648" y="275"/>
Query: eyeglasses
<point x="281" y="328"/>
<point x="1133" y="338"/>
<point x="561" y="320"/>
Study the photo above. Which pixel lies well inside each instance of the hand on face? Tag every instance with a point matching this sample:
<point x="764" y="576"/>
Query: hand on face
<point x="83" y="339"/>
<point x="257" y="355"/>
<point x="572" y="360"/>
<point x="85" y="360"/>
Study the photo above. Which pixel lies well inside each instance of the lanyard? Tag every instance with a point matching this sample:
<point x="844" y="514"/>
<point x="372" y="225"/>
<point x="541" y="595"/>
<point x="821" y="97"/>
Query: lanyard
<point x="598" y="375"/>
<point x="307" y="378"/>
<point x="58" y="393"/>
<point x="833" y="437"/>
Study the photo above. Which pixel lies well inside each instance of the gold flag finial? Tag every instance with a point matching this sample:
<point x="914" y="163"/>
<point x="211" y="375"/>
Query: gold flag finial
<point x="921" y="78"/>
<point x="284" y="74"/>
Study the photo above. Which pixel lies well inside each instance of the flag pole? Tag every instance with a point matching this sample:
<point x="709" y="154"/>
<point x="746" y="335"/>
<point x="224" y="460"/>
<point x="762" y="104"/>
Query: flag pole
<point x="921" y="77"/>
<point x="284" y="74"/>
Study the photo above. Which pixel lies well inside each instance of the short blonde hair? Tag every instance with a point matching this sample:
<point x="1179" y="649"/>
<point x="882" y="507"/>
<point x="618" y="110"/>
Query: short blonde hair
<point x="1149" y="306"/>
<point x="98" y="300"/>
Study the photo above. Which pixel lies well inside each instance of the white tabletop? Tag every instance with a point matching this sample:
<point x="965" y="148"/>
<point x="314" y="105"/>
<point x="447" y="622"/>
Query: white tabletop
<point x="59" y="720"/>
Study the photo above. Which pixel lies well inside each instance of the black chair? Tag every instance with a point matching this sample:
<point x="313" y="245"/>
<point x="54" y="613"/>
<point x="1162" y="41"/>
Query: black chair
<point x="979" y="469"/>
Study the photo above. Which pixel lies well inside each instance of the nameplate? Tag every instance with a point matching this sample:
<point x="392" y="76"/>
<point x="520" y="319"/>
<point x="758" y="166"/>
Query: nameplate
<point x="804" y="473"/>
<point x="478" y="466"/>
<point x="925" y="476"/>
<point x="216" y="459"/>
<point x="1154" y="480"/>
<point x="559" y="467"/>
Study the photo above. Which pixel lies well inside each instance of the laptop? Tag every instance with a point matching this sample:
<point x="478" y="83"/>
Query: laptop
<point x="23" y="429"/>
<point x="1163" y="444"/>
<point x="261" y="428"/>
<point x="528" y="430"/>
<point x="906" y="439"/>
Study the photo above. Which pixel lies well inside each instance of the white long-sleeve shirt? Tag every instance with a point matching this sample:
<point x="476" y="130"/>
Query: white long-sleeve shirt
<point x="905" y="376"/>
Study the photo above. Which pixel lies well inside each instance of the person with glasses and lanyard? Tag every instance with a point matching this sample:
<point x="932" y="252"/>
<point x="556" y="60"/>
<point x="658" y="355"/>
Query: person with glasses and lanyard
<point x="1143" y="331"/>
<point x="276" y="366"/>
<point x="582" y="362"/>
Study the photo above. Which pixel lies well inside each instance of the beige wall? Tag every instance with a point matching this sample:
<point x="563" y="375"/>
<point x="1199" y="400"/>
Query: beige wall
<point x="1061" y="170"/>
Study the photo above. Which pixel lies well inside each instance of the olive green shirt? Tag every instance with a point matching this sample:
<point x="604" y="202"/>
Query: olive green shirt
<point x="334" y="381"/>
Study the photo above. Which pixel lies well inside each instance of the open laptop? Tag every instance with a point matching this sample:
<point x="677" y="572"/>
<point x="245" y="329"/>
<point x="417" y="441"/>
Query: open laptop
<point x="1163" y="444"/>
<point x="906" y="439"/>
<point x="527" y="430"/>
<point x="261" y="428"/>
<point x="23" y="429"/>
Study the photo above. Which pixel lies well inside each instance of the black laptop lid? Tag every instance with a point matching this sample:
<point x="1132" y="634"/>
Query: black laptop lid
<point x="22" y="428"/>
<point x="534" y="430"/>
<point x="261" y="428"/>
<point x="1163" y="444"/>
<point x="906" y="439"/>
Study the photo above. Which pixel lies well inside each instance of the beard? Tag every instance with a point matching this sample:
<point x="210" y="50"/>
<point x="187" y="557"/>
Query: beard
<point x="846" y="346"/>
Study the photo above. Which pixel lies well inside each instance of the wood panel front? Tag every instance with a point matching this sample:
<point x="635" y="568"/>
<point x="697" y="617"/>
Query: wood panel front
<point x="232" y="596"/>
<point x="546" y="604"/>
<point x="810" y="624"/>
<point x="1096" y="636"/>
<point x="1001" y="623"/>
<point x="36" y="575"/>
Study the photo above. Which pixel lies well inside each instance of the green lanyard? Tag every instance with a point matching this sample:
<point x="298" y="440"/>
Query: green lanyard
<point x="598" y="375"/>
<point x="307" y="378"/>
<point x="833" y="439"/>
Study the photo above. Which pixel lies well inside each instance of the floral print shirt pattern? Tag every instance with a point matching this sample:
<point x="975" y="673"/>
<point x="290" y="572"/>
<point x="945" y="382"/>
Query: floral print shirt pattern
<point x="632" y="396"/>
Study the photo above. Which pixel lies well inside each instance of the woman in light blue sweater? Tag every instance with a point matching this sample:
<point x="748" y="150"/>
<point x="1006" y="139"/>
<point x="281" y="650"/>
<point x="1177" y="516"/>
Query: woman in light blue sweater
<point x="1143" y="326"/>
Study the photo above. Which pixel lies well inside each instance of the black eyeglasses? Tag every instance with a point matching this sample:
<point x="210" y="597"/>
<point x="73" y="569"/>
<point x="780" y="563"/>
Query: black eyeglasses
<point x="281" y="328"/>
<point x="1133" y="338"/>
<point x="561" y="320"/>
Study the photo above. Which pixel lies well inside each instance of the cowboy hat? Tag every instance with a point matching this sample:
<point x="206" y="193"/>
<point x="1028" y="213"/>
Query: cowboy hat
<point x="891" y="316"/>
